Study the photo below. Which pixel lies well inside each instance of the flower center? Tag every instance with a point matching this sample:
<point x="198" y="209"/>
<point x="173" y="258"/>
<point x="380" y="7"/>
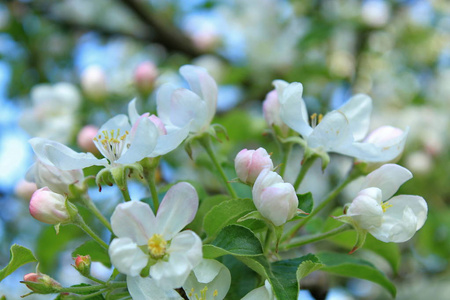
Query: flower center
<point x="202" y="294"/>
<point x="385" y="206"/>
<point x="316" y="119"/>
<point x="157" y="246"/>
<point x="112" y="143"/>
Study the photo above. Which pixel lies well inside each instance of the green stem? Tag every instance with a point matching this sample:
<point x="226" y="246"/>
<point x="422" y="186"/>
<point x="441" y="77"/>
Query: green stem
<point x="87" y="201"/>
<point x="82" y="289"/>
<point x="315" y="237"/>
<point x="293" y="231"/>
<point x="205" y="141"/>
<point x="287" y="151"/>
<point x="80" y="223"/>
<point x="125" y="194"/>
<point x="267" y="240"/>
<point x="152" y="186"/>
<point x="92" y="295"/>
<point x="303" y="170"/>
<point x="94" y="279"/>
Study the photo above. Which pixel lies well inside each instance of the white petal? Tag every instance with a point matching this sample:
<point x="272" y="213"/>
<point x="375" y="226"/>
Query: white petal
<point x="127" y="257"/>
<point x="142" y="141"/>
<point x="417" y="204"/>
<point x="276" y="211"/>
<point x="370" y="152"/>
<point x="134" y="220"/>
<point x="62" y="157"/>
<point x="262" y="293"/>
<point x="357" y="110"/>
<point x="189" y="245"/>
<point x="147" y="289"/>
<point x="187" y="106"/>
<point x="119" y="122"/>
<point x="366" y="211"/>
<point x="163" y="102"/>
<point x="293" y="109"/>
<point x="177" y="209"/>
<point x="265" y="178"/>
<point x="170" y="141"/>
<point x="132" y="111"/>
<point x="397" y="229"/>
<point x="333" y="134"/>
<point x="203" y="85"/>
<point x="212" y="274"/>
<point x="388" y="178"/>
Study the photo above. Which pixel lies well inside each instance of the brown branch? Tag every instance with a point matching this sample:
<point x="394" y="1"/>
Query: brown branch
<point x="163" y="33"/>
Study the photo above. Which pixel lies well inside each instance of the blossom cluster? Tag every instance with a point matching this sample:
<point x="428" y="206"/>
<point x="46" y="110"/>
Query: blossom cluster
<point x="158" y="248"/>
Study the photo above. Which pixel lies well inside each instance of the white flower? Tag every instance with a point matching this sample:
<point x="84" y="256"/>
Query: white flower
<point x="208" y="280"/>
<point x="48" y="207"/>
<point x="275" y="199"/>
<point x="53" y="113"/>
<point x="338" y="131"/>
<point x="177" y="107"/>
<point x="56" y="179"/>
<point x="262" y="293"/>
<point x="169" y="136"/>
<point x="388" y="219"/>
<point x="143" y="238"/>
<point x="118" y="141"/>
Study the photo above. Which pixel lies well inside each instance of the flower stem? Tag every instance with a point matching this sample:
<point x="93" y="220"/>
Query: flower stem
<point x="267" y="240"/>
<point x="205" y="141"/>
<point x="303" y="170"/>
<point x="80" y="223"/>
<point x="87" y="201"/>
<point x="125" y="194"/>
<point x="293" y="231"/>
<point x="315" y="237"/>
<point x="286" y="152"/>
<point x="152" y="185"/>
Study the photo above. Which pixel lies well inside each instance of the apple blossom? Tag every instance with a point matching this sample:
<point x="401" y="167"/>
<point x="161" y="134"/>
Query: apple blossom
<point x="25" y="189"/>
<point x="387" y="218"/>
<point x="143" y="238"/>
<point x="41" y="283"/>
<point x="93" y="82"/>
<point x="118" y="141"/>
<point x="85" y="138"/>
<point x="178" y="107"/>
<point x="275" y="199"/>
<point x="271" y="111"/>
<point x="47" y="175"/>
<point x="338" y="131"/>
<point x="49" y="207"/>
<point x="83" y="264"/>
<point x="249" y="163"/>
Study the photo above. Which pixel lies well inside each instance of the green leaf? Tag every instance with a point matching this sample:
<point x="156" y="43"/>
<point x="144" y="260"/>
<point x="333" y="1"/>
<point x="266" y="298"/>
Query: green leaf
<point x="205" y="206"/>
<point x="309" y="264"/>
<point x="244" y="278"/>
<point x="226" y="213"/>
<point x="305" y="202"/>
<point x="235" y="240"/>
<point x="19" y="257"/>
<point x="95" y="251"/>
<point x="346" y="265"/>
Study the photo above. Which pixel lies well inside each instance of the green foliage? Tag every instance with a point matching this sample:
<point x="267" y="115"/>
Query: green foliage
<point x="19" y="256"/>
<point x="205" y="206"/>
<point x="305" y="202"/>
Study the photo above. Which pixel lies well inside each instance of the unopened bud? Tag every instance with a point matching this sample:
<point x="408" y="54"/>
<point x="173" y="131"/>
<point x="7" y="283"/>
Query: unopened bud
<point x="249" y="163"/>
<point x="49" y="207"/>
<point x="93" y="83"/>
<point x="85" y="138"/>
<point x="83" y="264"/>
<point x="145" y="76"/>
<point x="25" y="189"/>
<point x="41" y="283"/>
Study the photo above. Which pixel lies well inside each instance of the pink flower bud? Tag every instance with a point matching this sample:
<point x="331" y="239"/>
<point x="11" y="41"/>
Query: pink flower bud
<point x="275" y="199"/>
<point x="41" y="283"/>
<point x="85" y="138"/>
<point x="249" y="163"/>
<point x="271" y="111"/>
<point x="83" y="264"/>
<point x="159" y="124"/>
<point x="49" y="207"/>
<point x="25" y="189"/>
<point x="93" y="83"/>
<point x="145" y="76"/>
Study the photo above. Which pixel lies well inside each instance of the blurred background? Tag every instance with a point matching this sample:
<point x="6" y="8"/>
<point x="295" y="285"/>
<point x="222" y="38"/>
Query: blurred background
<point x="71" y="63"/>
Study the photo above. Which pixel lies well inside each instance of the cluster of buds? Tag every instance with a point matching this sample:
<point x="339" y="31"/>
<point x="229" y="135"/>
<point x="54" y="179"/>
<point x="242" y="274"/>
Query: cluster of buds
<point x="41" y="283"/>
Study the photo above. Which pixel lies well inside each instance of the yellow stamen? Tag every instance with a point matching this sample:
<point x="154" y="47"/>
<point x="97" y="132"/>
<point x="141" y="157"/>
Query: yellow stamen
<point x="157" y="246"/>
<point x="215" y="293"/>
<point x="385" y="206"/>
<point x="316" y="119"/>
